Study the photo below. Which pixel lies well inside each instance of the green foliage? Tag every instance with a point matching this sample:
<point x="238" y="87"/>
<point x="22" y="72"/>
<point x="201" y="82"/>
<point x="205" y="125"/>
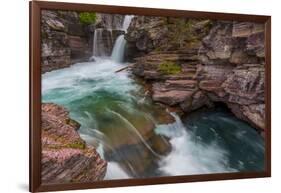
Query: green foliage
<point x="87" y="18"/>
<point x="169" y="67"/>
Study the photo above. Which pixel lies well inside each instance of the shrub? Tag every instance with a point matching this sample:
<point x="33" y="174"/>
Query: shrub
<point x="169" y="67"/>
<point x="87" y="18"/>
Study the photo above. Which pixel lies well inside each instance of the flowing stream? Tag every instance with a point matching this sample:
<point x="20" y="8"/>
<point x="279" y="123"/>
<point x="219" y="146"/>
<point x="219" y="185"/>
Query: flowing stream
<point x="141" y="139"/>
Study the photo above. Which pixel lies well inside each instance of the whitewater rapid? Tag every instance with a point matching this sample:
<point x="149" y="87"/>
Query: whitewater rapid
<point x="84" y="80"/>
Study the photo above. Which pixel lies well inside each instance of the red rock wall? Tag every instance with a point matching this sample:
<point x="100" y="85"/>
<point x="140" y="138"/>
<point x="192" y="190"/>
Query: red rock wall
<point x="220" y="61"/>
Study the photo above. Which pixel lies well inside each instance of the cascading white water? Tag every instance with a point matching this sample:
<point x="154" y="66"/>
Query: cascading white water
<point x="126" y="22"/>
<point x="101" y="41"/>
<point x="98" y="47"/>
<point x="119" y="47"/>
<point x="111" y="36"/>
<point x="117" y="54"/>
<point x="197" y="157"/>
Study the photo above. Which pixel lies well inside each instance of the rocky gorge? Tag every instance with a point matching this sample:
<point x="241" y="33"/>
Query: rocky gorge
<point x="194" y="63"/>
<point x="134" y="96"/>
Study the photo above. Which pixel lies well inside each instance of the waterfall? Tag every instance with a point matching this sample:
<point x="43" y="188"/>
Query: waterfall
<point x="119" y="47"/>
<point x="102" y="42"/>
<point x="118" y="50"/>
<point x="127" y="21"/>
<point x="97" y="44"/>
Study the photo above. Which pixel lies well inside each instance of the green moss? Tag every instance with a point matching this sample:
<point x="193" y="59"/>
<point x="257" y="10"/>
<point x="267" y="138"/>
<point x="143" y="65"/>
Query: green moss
<point x="169" y="67"/>
<point x="87" y="18"/>
<point x="77" y="145"/>
<point x="74" y="145"/>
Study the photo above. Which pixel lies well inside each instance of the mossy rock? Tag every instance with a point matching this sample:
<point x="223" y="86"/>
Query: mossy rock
<point x="169" y="67"/>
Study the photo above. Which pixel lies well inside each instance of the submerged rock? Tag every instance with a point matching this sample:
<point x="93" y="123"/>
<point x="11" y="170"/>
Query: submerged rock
<point x="65" y="156"/>
<point x="137" y="159"/>
<point x="130" y="136"/>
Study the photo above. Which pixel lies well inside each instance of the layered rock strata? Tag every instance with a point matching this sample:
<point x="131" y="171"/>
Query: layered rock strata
<point x="65" y="156"/>
<point x="64" y="40"/>
<point x="213" y="61"/>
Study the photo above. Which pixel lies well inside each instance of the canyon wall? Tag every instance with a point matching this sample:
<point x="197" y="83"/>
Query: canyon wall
<point x="64" y="40"/>
<point x="192" y="63"/>
<point x="65" y="156"/>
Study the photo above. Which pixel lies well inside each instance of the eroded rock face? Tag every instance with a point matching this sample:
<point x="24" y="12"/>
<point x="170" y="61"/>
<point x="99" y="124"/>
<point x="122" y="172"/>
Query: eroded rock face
<point x="237" y="79"/>
<point x="233" y="42"/>
<point x="146" y="34"/>
<point x="222" y="62"/>
<point x="241" y="88"/>
<point x="65" y="156"/>
<point x="109" y="21"/>
<point x="64" y="40"/>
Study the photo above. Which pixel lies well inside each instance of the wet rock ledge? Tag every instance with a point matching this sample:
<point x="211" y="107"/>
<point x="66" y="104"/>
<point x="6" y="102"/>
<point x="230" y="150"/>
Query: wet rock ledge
<point x="65" y="156"/>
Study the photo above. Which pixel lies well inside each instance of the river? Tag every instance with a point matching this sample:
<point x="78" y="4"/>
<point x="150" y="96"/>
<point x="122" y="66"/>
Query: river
<point x="141" y="139"/>
<point x="114" y="110"/>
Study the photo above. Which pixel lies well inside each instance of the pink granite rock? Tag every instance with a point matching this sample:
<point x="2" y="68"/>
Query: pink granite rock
<point x="65" y="156"/>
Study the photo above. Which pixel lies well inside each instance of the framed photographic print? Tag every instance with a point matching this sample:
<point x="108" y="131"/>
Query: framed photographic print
<point x="123" y="96"/>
